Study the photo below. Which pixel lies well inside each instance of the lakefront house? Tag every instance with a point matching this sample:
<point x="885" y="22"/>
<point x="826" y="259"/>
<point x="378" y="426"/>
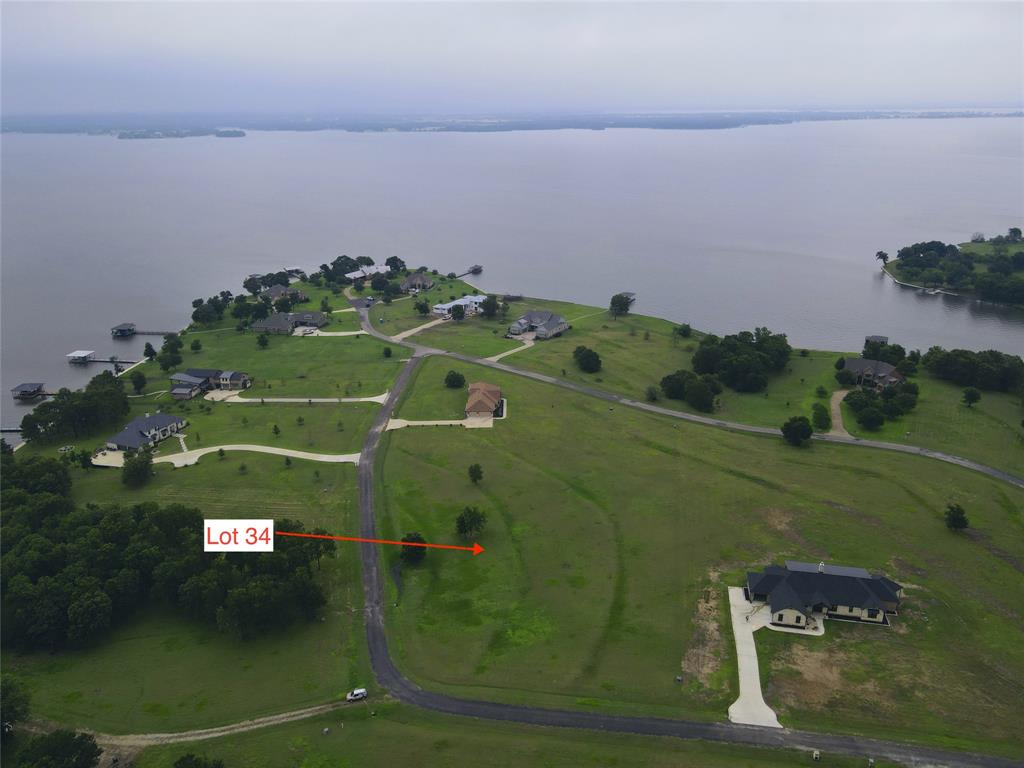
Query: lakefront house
<point x="146" y="431"/>
<point x="543" y="324"/>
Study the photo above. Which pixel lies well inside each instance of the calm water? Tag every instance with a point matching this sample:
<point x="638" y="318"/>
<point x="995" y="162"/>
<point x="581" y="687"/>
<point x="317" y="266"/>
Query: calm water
<point x="724" y="229"/>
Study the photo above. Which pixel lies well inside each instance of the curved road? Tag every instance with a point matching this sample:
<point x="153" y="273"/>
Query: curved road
<point x="405" y="690"/>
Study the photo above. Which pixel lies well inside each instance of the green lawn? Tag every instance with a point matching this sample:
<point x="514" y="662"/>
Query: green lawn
<point x="401" y="315"/>
<point x="159" y="672"/>
<point x="989" y="432"/>
<point x="400" y="735"/>
<point x="612" y="535"/>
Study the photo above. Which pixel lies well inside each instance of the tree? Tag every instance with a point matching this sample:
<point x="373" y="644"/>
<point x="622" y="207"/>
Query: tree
<point x="14" y="703"/>
<point x="871" y="418"/>
<point x="489" y="307"/>
<point x="395" y="264"/>
<point x="196" y="345"/>
<point x="137" y="469"/>
<point x="476" y="473"/>
<point x="88" y="617"/>
<point x="470" y="522"/>
<point x="956" y="518"/>
<point x="458" y="313"/>
<point x="276" y="430"/>
<point x="587" y="359"/>
<point x="378" y="283"/>
<point x="684" y="330"/>
<point x="148" y="352"/>
<point x="413" y="555"/>
<point x="620" y="304"/>
<point x="252" y="285"/>
<point x="845" y="378"/>
<point x="262" y="340"/>
<point x="797" y="430"/>
<point x="700" y="396"/>
<point x="1013" y="234"/>
<point x="883" y="257"/>
<point x="651" y="394"/>
<point x="288" y="462"/>
<point x="422" y="306"/>
<point x="138" y="380"/>
<point x="220" y="453"/>
<point x="168" y="360"/>
<point x="60" y="749"/>
<point x="971" y="396"/>
<point x="821" y="418"/>
<point x="454" y="380"/>
<point x="387" y="352"/>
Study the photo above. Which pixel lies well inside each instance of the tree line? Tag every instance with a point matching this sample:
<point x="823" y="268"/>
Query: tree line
<point x="70" y="573"/>
<point x="988" y="370"/>
<point x="74" y="413"/>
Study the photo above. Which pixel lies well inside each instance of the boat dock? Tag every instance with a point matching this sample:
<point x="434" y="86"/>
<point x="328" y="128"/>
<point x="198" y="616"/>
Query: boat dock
<point x="86" y="356"/>
<point x="127" y="330"/>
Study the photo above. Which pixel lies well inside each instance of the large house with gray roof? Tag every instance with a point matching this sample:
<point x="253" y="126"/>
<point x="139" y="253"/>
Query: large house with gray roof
<point x="796" y="592"/>
<point x="544" y="325"/>
<point x="146" y="431"/>
<point x="275" y="292"/>
<point x="873" y="373"/>
<point x="196" y="381"/>
<point x="287" y="322"/>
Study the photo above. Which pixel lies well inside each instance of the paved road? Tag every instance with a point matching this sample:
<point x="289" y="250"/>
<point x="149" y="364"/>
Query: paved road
<point x="405" y="690"/>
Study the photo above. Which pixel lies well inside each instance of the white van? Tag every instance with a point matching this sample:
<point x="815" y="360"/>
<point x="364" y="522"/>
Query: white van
<point x="357" y="695"/>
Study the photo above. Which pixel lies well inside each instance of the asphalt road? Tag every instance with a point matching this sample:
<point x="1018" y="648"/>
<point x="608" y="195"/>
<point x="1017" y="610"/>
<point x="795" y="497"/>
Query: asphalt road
<point x="405" y="690"/>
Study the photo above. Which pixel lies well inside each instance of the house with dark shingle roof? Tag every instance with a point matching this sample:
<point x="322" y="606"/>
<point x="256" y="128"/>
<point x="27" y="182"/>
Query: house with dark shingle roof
<point x="146" y="431"/>
<point x="799" y="590"/>
<point x="287" y="322"/>
<point x="544" y="324"/>
<point x="417" y="281"/>
<point x="873" y="373"/>
<point x="275" y="292"/>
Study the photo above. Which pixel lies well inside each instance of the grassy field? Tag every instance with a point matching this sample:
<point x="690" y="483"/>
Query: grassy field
<point x="989" y="432"/>
<point x="400" y="735"/>
<point x="159" y="672"/>
<point x="401" y="315"/>
<point x="612" y="535"/>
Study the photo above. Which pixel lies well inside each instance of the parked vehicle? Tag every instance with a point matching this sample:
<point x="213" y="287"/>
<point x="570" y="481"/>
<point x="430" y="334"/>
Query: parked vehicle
<point x="356" y="695"/>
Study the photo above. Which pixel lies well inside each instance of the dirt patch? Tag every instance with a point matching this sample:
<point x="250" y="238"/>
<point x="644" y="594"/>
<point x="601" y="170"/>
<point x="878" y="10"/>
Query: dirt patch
<point x="854" y="512"/>
<point x="704" y="656"/>
<point x="781" y="522"/>
<point x="986" y="541"/>
<point x="812" y="679"/>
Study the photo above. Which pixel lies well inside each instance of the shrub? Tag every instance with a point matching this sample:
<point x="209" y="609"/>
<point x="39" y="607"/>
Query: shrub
<point x="454" y="380"/>
<point x="587" y="359"/>
<point x="956" y="518"/>
<point x="821" y="418"/>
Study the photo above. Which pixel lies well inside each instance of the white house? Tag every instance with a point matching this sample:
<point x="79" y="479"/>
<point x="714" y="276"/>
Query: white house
<point x="471" y="304"/>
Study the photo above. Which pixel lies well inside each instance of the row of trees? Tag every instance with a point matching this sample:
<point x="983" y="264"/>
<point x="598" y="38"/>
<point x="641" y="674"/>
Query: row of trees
<point x="743" y="361"/>
<point x="989" y="370"/>
<point x="69" y="413"/>
<point x="70" y="574"/>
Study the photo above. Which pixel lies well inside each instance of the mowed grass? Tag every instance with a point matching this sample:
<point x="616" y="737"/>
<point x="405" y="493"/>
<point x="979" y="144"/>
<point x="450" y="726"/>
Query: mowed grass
<point x="401" y="314"/>
<point x="160" y="672"/>
<point x="612" y="535"/>
<point x="991" y="431"/>
<point x="402" y="735"/>
<point x="293" y="366"/>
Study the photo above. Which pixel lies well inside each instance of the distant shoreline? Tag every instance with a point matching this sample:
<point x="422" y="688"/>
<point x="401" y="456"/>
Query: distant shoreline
<point x="187" y="126"/>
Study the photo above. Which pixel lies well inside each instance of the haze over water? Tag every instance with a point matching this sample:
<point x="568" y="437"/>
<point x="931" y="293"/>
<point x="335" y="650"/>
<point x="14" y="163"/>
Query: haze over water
<point x="724" y="229"/>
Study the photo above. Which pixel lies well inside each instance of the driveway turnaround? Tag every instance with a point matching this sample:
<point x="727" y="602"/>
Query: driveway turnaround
<point x="191" y="457"/>
<point x="749" y="708"/>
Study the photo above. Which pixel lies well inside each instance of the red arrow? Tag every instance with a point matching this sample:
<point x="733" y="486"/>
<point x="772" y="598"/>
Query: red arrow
<point x="476" y="549"/>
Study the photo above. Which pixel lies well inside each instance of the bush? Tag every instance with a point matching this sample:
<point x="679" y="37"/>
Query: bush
<point x="956" y="518"/>
<point x="413" y="555"/>
<point x="845" y="378"/>
<point x="137" y="469"/>
<point x="821" y="391"/>
<point x="454" y="380"/>
<point x="821" y="417"/>
<point x="651" y="394"/>
<point x="587" y="359"/>
<point x="387" y="352"/>
<point x="871" y="418"/>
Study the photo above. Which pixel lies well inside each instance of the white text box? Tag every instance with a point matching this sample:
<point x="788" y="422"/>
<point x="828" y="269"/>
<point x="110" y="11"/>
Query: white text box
<point x="238" y="535"/>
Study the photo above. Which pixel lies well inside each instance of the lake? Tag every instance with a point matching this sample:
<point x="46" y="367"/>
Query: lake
<point x="723" y="229"/>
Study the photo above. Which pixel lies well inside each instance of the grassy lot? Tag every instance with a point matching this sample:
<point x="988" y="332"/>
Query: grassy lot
<point x="159" y="672"/>
<point x="612" y="535"/>
<point x="989" y="432"/>
<point x="401" y="735"/>
<point x="401" y="315"/>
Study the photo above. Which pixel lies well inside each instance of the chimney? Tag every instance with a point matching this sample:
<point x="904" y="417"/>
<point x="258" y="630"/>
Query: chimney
<point x="821" y="567"/>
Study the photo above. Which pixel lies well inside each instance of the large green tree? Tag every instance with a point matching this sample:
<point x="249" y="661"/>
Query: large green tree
<point x="470" y="522"/>
<point x="797" y="430"/>
<point x="60" y="749"/>
<point x="620" y="304"/>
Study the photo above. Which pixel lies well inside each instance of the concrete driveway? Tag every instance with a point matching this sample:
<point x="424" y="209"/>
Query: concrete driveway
<point x="749" y="708"/>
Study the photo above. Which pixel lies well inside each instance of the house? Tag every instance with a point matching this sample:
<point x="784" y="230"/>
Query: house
<point x="234" y="380"/>
<point x="123" y="330"/>
<point x="484" y="400"/>
<point x="185" y="386"/>
<point x="470" y="303"/>
<point x="29" y="391"/>
<point x="417" y="281"/>
<point x="546" y="325"/>
<point x="146" y="431"/>
<point x="873" y="373"/>
<point x="275" y="292"/>
<point x="286" y="322"/>
<point x="799" y="590"/>
<point x="367" y="272"/>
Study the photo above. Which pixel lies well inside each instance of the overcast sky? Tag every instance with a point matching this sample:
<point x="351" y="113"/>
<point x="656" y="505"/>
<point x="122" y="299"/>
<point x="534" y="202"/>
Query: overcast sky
<point x="488" y="57"/>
